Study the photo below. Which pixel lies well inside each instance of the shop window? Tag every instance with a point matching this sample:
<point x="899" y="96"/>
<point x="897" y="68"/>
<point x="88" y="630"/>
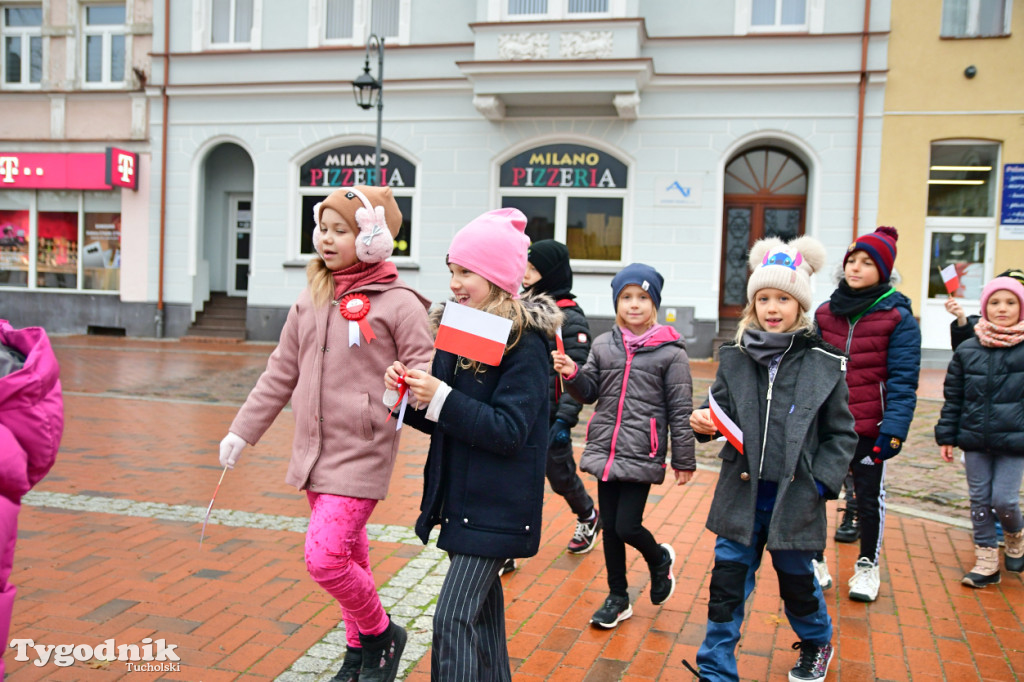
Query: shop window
<point x="966" y="251"/>
<point x="352" y="21"/>
<point x="356" y="165"/>
<point x="231" y="22"/>
<point x="15" y="228"/>
<point x="57" y="240"/>
<point x="975" y="18"/>
<point x="101" y="250"/>
<point x="961" y="179"/>
<point x="23" y="45"/>
<point x="571" y="193"/>
<point x="104" y="44"/>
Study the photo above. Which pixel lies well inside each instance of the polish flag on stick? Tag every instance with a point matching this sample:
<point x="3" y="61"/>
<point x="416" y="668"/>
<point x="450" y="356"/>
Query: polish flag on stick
<point x="473" y="333"/>
<point x="950" y="278"/>
<point x="559" y="344"/>
<point x="726" y="426"/>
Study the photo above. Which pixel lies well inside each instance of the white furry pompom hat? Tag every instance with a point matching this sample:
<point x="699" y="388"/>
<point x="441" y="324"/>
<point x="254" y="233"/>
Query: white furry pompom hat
<point x="786" y="266"/>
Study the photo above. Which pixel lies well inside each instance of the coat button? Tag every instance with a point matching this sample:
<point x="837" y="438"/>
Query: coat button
<point x="465" y="520"/>
<point x="744" y="476"/>
<point x="527" y="528"/>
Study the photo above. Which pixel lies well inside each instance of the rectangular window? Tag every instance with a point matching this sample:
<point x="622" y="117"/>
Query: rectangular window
<point x="557" y="9"/>
<point x="57" y="240"/>
<point x="231" y="22"/>
<point x="104" y="44"/>
<point x="23" y="45"/>
<point x="961" y="179"/>
<point x="778" y="13"/>
<point x="975" y="18"/>
<point x="352" y="21"/>
<point x="101" y="250"/>
<point x="592" y="228"/>
<point x="403" y="242"/>
<point x="15" y="228"/>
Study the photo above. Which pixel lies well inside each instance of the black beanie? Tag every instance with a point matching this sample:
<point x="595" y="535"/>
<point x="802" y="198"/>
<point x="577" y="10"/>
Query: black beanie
<point x="551" y="259"/>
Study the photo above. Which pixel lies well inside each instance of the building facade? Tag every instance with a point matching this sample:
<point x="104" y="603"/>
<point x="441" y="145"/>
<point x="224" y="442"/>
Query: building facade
<point x="952" y="174"/>
<point x="74" y="142"/>
<point x="671" y="132"/>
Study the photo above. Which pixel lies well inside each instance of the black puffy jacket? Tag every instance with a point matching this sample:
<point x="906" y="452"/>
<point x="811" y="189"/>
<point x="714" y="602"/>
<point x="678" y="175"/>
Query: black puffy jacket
<point x="984" y="392"/>
<point x="576" y="338"/>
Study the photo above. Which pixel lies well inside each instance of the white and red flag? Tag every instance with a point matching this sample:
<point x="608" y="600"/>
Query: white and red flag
<point x="950" y="278"/>
<point x="725" y="425"/>
<point x="559" y="344"/>
<point x="473" y="333"/>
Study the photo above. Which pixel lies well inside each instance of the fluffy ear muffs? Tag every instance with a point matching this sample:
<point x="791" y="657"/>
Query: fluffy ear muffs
<point x="316" y="229"/>
<point x="374" y="242"/>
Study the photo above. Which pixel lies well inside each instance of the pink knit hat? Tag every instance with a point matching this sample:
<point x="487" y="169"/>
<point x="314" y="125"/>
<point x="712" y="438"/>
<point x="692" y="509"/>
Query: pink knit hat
<point x="494" y="246"/>
<point x="1000" y="284"/>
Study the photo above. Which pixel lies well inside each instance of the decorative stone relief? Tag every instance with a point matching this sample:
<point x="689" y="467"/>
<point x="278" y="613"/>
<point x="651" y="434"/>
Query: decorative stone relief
<point x="586" y="45"/>
<point x="518" y="46"/>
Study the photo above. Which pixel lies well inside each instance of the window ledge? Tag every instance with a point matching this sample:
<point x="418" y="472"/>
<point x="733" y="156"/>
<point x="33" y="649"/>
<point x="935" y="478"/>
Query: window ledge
<point x="596" y="269"/>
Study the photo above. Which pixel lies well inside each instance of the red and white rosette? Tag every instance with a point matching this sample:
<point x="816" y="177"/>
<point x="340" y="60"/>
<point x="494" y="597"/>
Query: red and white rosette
<point x="354" y="308"/>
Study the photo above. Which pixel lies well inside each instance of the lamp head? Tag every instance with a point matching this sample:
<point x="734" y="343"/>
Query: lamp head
<point x="366" y="89"/>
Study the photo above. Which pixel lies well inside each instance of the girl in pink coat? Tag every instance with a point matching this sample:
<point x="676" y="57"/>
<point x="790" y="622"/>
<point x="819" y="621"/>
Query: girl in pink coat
<point x="353" y="320"/>
<point x="31" y="424"/>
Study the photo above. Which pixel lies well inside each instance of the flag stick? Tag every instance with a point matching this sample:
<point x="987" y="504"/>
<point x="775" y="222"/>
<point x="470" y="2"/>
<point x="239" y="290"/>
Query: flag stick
<point x="210" y="508"/>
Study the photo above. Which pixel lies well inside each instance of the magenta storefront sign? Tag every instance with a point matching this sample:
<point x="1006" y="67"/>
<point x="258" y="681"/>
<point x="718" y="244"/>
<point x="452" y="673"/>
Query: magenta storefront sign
<point x="53" y="171"/>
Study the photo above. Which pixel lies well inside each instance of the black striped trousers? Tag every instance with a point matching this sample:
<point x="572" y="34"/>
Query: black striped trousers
<point x="469" y="624"/>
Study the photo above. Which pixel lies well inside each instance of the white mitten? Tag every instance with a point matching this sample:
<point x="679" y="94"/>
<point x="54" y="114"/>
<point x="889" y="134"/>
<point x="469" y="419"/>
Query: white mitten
<point x="230" y="448"/>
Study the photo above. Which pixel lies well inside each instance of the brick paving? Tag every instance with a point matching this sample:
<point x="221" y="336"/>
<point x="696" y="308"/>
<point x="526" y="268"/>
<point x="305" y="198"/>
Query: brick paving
<point x="108" y="548"/>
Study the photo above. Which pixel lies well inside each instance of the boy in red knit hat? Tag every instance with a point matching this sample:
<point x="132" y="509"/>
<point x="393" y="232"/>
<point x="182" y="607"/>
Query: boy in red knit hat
<point x="874" y="325"/>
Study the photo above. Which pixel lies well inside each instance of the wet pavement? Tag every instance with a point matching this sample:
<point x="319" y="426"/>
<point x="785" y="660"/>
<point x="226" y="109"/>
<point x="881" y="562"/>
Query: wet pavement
<point x="109" y="549"/>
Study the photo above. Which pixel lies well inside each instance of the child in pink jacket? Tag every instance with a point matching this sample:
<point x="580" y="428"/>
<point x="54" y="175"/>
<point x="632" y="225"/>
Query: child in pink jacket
<point x="353" y="320"/>
<point x="31" y="424"/>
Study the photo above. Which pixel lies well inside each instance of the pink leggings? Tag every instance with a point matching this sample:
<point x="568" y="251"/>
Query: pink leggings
<point x="338" y="559"/>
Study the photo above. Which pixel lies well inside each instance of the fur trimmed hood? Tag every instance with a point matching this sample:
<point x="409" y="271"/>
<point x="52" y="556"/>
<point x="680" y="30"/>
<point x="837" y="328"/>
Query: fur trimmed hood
<point x="541" y="315"/>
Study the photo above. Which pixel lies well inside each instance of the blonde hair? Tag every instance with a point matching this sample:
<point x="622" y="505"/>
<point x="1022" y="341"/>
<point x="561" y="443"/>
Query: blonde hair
<point x="499" y="302"/>
<point x="320" y="280"/>
<point x="749" y="321"/>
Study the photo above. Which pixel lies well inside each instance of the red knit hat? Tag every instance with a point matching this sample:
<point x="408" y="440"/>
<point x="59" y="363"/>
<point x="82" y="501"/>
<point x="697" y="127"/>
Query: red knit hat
<point x="881" y="246"/>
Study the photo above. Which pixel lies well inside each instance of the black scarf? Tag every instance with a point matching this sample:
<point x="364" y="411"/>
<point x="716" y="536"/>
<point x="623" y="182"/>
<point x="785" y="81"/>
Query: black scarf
<point x="849" y="302"/>
<point x="763" y="346"/>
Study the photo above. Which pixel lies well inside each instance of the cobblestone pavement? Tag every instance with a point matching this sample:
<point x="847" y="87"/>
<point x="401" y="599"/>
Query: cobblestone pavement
<point x="108" y="549"/>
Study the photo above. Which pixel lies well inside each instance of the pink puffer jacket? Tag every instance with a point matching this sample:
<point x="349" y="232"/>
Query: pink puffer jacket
<point x="31" y="412"/>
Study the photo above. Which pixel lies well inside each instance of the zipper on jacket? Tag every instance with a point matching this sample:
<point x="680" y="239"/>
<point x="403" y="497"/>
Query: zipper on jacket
<point x="618" y="418"/>
<point x="849" y="337"/>
<point x="654" y="437"/>
<point x="768" y="408"/>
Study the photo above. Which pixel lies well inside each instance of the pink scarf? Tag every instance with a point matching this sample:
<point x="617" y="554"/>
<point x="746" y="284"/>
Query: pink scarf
<point x="634" y="341"/>
<point x="994" y="336"/>
<point x="361" y="274"/>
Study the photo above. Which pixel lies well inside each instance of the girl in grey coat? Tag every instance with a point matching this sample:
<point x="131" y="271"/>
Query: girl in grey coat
<point x="640" y="377"/>
<point x="780" y="399"/>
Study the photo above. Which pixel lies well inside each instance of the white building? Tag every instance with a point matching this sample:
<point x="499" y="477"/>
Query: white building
<point x="670" y="132"/>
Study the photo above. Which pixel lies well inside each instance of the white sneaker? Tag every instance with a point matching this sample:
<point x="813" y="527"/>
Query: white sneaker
<point x="822" y="574"/>
<point x="864" y="583"/>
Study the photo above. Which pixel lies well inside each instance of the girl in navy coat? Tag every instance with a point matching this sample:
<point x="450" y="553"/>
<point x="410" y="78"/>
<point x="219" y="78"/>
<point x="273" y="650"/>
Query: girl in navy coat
<point x="484" y="476"/>
<point x="982" y="415"/>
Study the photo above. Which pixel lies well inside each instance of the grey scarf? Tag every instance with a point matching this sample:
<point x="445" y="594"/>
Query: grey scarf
<point x="764" y="346"/>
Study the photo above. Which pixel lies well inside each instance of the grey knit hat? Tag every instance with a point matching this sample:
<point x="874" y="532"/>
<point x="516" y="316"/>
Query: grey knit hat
<point x="776" y="264"/>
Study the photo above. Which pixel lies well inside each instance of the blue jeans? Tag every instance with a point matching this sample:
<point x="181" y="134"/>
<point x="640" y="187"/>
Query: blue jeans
<point x="716" y="657"/>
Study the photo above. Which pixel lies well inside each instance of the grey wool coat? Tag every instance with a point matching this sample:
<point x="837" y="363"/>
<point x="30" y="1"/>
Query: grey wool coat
<point x="819" y="444"/>
<point x="640" y="399"/>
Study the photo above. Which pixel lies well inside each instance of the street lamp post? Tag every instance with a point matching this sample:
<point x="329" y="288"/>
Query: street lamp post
<point x="368" y="91"/>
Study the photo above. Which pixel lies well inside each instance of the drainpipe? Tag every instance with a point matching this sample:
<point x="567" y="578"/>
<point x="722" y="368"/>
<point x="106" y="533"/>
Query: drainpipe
<point x="163" y="170"/>
<point x="860" y="115"/>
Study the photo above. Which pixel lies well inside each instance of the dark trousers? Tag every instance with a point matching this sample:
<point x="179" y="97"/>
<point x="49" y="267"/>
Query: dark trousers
<point x="869" y="484"/>
<point x="622" y="514"/>
<point x="469" y="623"/>
<point x="561" y="471"/>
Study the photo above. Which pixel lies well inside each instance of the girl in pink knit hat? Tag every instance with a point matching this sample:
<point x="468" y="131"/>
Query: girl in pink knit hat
<point x="353" y="320"/>
<point x="982" y="416"/>
<point x="484" y="476"/>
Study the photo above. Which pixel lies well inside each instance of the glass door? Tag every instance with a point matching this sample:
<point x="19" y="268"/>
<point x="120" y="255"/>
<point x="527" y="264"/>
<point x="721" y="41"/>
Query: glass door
<point x="240" y="243"/>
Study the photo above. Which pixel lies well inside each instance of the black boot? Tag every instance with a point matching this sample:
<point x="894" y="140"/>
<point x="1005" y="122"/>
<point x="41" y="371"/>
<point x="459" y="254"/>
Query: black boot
<point x="349" y="671"/>
<point x="849" y="529"/>
<point x="382" y="654"/>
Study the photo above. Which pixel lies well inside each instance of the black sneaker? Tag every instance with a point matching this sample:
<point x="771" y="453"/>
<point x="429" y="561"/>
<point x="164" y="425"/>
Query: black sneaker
<point x="813" y="663"/>
<point x="615" y="610"/>
<point x="507" y="567"/>
<point x="849" y="529"/>
<point x="382" y="654"/>
<point x="350" y="667"/>
<point x="663" y="579"/>
<point x="585" y="537"/>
